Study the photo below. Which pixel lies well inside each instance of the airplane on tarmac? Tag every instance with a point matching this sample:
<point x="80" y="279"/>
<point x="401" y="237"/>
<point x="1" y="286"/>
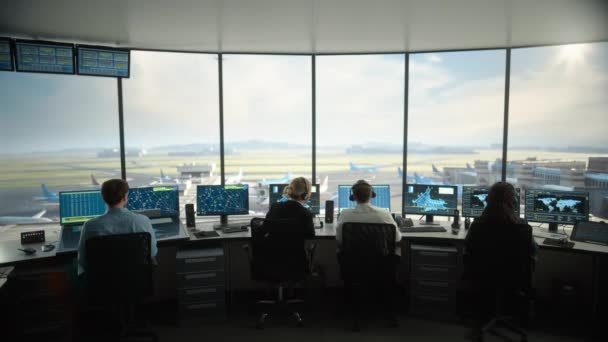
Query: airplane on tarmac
<point x="236" y="179"/>
<point x="47" y="195"/>
<point x="285" y="179"/>
<point x="36" y="218"/>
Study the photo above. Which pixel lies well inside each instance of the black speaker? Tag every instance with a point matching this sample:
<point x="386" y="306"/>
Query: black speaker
<point x="456" y="223"/>
<point x="190" y="222"/>
<point x="329" y="211"/>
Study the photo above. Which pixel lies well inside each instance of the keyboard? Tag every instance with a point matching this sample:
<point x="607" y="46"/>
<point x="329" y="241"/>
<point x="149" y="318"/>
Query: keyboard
<point x="422" y="230"/>
<point x="235" y="228"/>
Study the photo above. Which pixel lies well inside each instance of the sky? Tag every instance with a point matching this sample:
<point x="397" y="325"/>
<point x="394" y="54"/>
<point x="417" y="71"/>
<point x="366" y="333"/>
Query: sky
<point x="457" y="98"/>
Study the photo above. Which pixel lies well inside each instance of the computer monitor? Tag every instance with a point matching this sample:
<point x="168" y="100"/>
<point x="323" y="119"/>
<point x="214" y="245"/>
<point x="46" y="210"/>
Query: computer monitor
<point x="45" y="57"/>
<point x="556" y="207"/>
<point x="103" y="61"/>
<point x="6" y="56"/>
<point x="154" y="201"/>
<point x="222" y="200"/>
<point x="276" y="195"/>
<point x="430" y="200"/>
<point x="382" y="199"/>
<point x="77" y="207"/>
<point x="474" y="200"/>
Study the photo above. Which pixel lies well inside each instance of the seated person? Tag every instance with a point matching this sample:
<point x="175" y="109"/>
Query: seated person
<point x="116" y="220"/>
<point x="298" y="193"/>
<point x="364" y="212"/>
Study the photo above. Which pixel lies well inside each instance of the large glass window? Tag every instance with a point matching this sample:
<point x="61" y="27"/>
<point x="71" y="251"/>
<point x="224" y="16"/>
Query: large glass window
<point x="360" y="101"/>
<point x="267" y="122"/>
<point x="58" y="132"/>
<point x="456" y="106"/>
<point x="171" y="117"/>
<point x="558" y="120"/>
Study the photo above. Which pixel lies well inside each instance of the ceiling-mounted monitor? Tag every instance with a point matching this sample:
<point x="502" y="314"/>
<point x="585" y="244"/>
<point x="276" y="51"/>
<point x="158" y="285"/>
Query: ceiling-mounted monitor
<point x="6" y="57"/>
<point x="45" y="57"/>
<point x="103" y="61"/>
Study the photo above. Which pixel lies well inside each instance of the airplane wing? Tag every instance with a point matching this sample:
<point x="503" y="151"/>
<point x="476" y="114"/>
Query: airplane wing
<point x="40" y="214"/>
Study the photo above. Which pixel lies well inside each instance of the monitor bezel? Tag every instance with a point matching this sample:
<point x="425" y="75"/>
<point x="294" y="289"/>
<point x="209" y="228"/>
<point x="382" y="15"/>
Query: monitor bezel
<point x="60" y="193"/>
<point x="587" y="207"/>
<point x="317" y="186"/>
<point x="99" y="47"/>
<point x="517" y="194"/>
<point x="11" y="51"/>
<point x="373" y="185"/>
<point x="451" y="213"/>
<point x="221" y="214"/>
<point x="176" y="188"/>
<point x="45" y="42"/>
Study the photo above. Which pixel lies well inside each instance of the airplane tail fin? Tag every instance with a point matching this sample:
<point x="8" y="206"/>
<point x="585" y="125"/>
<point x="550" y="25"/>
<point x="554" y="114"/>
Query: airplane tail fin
<point x="353" y="167"/>
<point x="46" y="192"/>
<point x="399" y="172"/>
<point x="323" y="187"/>
<point x="469" y="167"/>
<point x="162" y="174"/>
<point x="435" y="169"/>
<point x="94" y="180"/>
<point x="40" y="214"/>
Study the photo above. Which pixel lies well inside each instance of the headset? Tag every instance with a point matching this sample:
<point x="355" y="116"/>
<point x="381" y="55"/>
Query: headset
<point x="360" y="182"/>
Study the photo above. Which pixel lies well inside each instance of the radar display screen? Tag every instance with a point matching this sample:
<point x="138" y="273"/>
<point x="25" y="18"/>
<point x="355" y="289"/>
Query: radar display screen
<point x="382" y="199"/>
<point x="276" y="195"/>
<point x="222" y="200"/>
<point x="154" y="201"/>
<point x="429" y="199"/>
<point x="550" y="206"/>
<point x="474" y="200"/>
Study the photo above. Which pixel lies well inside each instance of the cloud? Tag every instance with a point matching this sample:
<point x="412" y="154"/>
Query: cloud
<point x="434" y="58"/>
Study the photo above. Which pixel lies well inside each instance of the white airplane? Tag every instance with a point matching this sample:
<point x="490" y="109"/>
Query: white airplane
<point x="37" y="218"/>
<point x="323" y="186"/>
<point x="236" y="179"/>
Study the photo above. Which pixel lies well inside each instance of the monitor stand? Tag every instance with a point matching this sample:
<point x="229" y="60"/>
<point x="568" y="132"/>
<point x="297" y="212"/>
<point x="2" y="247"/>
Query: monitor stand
<point x="428" y="221"/>
<point x="223" y="223"/>
<point x="552" y="227"/>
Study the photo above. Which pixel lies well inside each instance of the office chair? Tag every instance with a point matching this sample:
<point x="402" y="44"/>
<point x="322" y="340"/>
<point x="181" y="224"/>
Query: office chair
<point x="367" y="259"/>
<point x="119" y="275"/>
<point x="277" y="255"/>
<point x="499" y="264"/>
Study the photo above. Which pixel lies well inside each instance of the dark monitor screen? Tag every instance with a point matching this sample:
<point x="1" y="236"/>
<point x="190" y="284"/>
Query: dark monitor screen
<point x="276" y="195"/>
<point x="102" y="61"/>
<point x="427" y="199"/>
<point x="551" y="206"/>
<point x="154" y="201"/>
<point x="382" y="199"/>
<point x="44" y="57"/>
<point x="6" y="57"/>
<point x="474" y="200"/>
<point x="222" y="200"/>
<point x="77" y="207"/>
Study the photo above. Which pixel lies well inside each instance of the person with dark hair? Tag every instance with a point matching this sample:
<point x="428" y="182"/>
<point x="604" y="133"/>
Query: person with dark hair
<point x="298" y="193"/>
<point x="116" y="220"/>
<point x="364" y="212"/>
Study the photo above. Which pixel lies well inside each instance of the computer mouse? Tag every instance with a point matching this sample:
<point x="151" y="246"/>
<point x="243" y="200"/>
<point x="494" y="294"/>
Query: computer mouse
<point x="48" y="248"/>
<point x="244" y="228"/>
<point x="28" y="250"/>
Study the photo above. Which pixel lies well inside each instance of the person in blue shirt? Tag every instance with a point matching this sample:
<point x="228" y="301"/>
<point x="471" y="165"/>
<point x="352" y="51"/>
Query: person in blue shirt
<point x="116" y="220"/>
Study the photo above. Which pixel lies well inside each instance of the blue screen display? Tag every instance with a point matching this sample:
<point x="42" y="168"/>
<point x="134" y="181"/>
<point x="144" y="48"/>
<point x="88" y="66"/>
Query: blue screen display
<point x="6" y="59"/>
<point x="549" y="206"/>
<point x="474" y="200"/>
<point x="154" y="201"/>
<point x="430" y="199"/>
<point x="382" y="199"/>
<point x="222" y="200"/>
<point x="77" y="207"/>
<point x="103" y="62"/>
<point x="276" y="195"/>
<point x="45" y="58"/>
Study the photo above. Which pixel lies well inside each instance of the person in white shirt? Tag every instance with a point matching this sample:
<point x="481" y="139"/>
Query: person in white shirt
<point x="362" y="192"/>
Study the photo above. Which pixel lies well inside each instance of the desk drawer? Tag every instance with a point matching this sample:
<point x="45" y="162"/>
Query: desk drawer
<point x="202" y="309"/>
<point x="204" y="263"/>
<point x="200" y="279"/>
<point x="432" y="287"/>
<point x="434" y="272"/>
<point x="199" y="294"/>
<point x="434" y="257"/>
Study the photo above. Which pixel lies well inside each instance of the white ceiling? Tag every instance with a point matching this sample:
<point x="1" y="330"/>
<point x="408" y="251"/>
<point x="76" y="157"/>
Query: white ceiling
<point x="305" y="26"/>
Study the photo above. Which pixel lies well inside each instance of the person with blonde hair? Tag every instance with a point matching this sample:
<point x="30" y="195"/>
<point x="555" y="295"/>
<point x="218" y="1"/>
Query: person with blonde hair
<point x="298" y="192"/>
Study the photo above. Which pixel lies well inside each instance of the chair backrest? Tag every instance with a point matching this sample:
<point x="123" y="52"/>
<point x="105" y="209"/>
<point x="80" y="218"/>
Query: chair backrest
<point x="499" y="256"/>
<point x="367" y="251"/>
<point x="277" y="250"/>
<point x="119" y="267"/>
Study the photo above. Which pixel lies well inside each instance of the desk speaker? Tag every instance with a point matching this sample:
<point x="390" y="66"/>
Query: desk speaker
<point x="329" y="211"/>
<point x="190" y="222"/>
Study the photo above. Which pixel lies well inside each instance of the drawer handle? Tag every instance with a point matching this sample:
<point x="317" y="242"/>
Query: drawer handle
<point x="200" y="276"/>
<point x="433" y="269"/>
<point x="197" y="291"/>
<point x="433" y="299"/>
<point x="202" y="306"/>
<point x="435" y="254"/>
<point x="433" y="283"/>
<point x="199" y="260"/>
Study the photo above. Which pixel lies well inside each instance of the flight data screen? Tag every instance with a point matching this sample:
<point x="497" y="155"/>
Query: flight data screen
<point x="222" y="200"/>
<point x="103" y="62"/>
<point x="430" y="199"/>
<point x="77" y="207"/>
<point x="382" y="199"/>
<point x="475" y="200"/>
<point x="567" y="207"/>
<point x="45" y="58"/>
<point x="276" y="195"/>
<point x="154" y="201"/>
<point x="6" y="59"/>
